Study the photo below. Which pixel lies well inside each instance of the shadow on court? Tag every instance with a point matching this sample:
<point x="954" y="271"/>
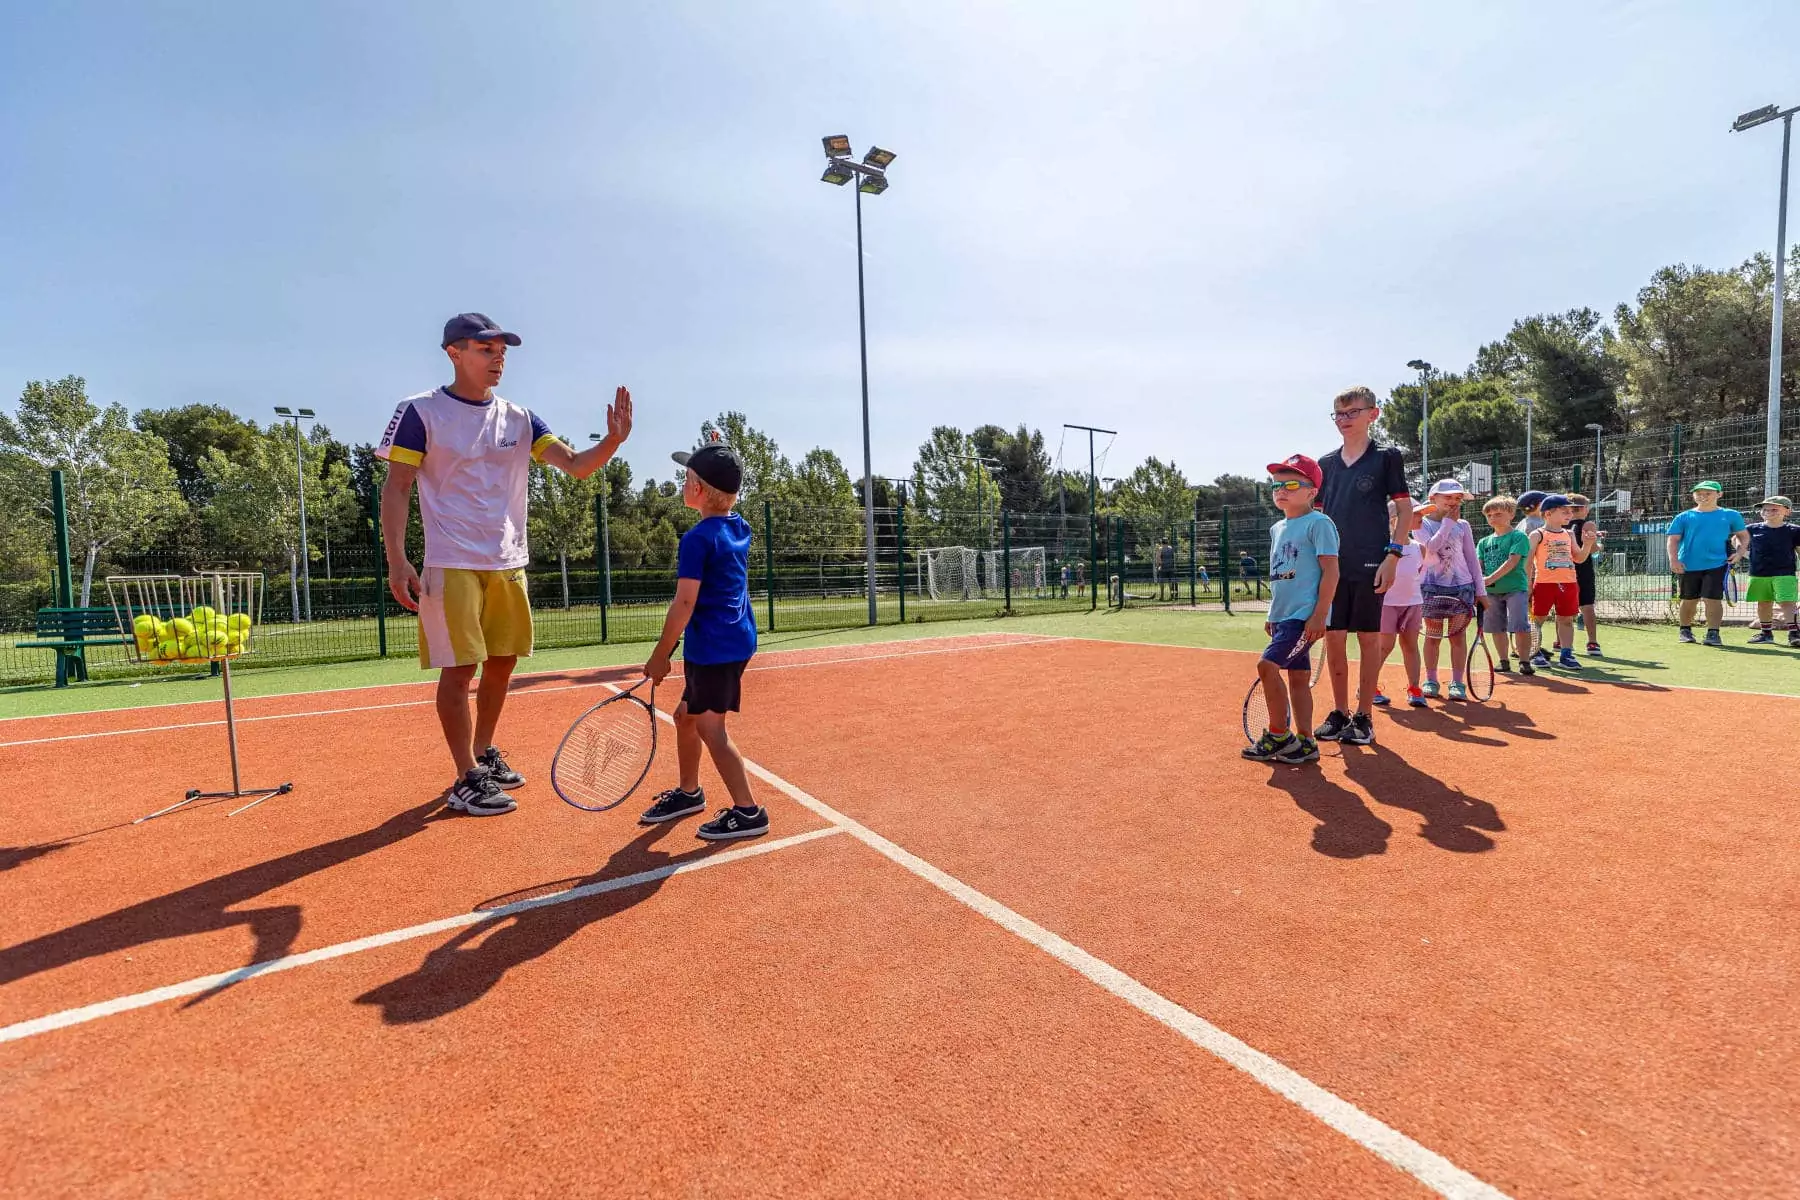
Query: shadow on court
<point x="1487" y="724"/>
<point x="1346" y="827"/>
<point x="470" y="964"/>
<point x="1453" y="819"/>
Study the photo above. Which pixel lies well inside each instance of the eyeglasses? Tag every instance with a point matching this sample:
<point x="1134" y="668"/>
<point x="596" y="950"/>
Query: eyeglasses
<point x="1340" y="415"/>
<point x="1287" y="485"/>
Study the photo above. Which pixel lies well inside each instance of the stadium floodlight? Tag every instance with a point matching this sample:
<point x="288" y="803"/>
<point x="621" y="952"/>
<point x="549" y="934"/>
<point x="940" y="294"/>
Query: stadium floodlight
<point x="307" y="412"/>
<point x="1424" y="370"/>
<point x="1772" y="434"/>
<point x="839" y="172"/>
<point x="281" y="411"/>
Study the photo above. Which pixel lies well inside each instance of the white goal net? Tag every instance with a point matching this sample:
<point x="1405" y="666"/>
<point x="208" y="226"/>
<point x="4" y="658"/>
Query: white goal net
<point x="950" y="572"/>
<point x="1027" y="569"/>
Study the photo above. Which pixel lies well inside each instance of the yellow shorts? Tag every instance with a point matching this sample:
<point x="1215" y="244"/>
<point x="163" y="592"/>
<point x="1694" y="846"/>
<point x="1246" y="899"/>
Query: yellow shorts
<point x="468" y="617"/>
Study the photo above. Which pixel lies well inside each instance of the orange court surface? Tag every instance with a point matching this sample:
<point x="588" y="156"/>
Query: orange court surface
<point x="1025" y="925"/>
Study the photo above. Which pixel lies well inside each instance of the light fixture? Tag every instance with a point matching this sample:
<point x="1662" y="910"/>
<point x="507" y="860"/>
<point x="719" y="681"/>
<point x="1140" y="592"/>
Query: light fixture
<point x="874" y="185"/>
<point x="283" y="412"/>
<point x="1419" y="364"/>
<point x="838" y="173"/>
<point x="878" y="158"/>
<point x="1752" y="119"/>
<point x="837" y="145"/>
<point x="307" y="412"/>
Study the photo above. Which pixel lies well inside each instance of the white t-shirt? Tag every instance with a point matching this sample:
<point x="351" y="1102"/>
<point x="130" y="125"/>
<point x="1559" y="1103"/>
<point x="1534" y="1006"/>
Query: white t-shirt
<point x="474" y="462"/>
<point x="1404" y="591"/>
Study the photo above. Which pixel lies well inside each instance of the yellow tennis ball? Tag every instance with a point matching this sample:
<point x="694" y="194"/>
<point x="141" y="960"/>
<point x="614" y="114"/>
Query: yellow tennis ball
<point x="183" y="628"/>
<point x="144" y="624"/>
<point x="238" y="623"/>
<point x="166" y="648"/>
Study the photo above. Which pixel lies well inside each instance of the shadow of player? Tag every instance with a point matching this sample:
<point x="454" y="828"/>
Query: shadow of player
<point x="1454" y="820"/>
<point x="470" y="964"/>
<point x="1464" y="722"/>
<point x="1346" y="827"/>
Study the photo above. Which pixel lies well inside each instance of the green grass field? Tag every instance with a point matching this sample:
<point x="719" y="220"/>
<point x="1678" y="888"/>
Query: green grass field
<point x="1636" y="656"/>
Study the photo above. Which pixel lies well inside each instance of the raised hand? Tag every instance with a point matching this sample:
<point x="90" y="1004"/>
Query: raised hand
<point x="618" y="416"/>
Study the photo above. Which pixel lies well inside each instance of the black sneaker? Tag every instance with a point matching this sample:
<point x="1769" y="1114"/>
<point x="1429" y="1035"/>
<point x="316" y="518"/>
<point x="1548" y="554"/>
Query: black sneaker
<point x="1268" y="746"/>
<point x="672" y="804"/>
<point x="1762" y="637"/>
<point x="1687" y="636"/>
<point x="1593" y="650"/>
<point x="1334" y="726"/>
<point x="734" y="822"/>
<point x="498" y="771"/>
<point x="1794" y="637"/>
<point x="1713" y="638"/>
<point x="478" y="795"/>
<point x="1525" y="667"/>
<point x="1297" y="750"/>
<point x="1504" y="666"/>
<point x="1360" y="731"/>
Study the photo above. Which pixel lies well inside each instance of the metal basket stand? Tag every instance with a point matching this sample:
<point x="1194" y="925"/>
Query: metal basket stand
<point x="149" y="608"/>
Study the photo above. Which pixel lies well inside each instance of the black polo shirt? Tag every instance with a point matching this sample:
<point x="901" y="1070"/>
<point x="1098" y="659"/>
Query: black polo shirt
<point x="1355" y="497"/>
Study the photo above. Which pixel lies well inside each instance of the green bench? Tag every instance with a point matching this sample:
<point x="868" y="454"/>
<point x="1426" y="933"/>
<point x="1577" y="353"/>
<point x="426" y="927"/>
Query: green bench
<point x="69" y="632"/>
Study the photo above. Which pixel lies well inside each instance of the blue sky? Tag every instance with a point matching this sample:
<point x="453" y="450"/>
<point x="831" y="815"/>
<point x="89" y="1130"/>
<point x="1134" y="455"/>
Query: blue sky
<point x="1192" y="223"/>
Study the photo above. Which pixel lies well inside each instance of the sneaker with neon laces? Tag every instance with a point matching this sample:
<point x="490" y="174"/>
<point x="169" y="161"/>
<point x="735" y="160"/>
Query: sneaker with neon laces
<point x="1457" y="692"/>
<point x="1415" y="697"/>
<point x="1335" y="723"/>
<point x="735" y="822"/>
<point x="498" y="771"/>
<point x="1300" y="749"/>
<point x="1268" y="746"/>
<point x="477" y="794"/>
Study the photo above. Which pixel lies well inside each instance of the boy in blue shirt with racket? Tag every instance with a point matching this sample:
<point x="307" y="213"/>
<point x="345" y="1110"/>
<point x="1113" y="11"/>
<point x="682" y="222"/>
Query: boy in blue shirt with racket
<point x="712" y="606"/>
<point x="1303" y="576"/>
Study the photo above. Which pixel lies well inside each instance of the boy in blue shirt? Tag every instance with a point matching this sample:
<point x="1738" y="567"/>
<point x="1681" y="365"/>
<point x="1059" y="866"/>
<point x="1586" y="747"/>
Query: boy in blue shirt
<point x="1303" y="577"/>
<point x="712" y="605"/>
<point x="1703" y="543"/>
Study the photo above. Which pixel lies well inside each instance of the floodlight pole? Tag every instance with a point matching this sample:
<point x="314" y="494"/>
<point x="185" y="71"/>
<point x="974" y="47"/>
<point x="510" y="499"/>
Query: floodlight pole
<point x="980" y="492"/>
<point x="1424" y="370"/>
<point x="1598" y="460"/>
<point x="1530" y="409"/>
<point x="1772" y="438"/>
<point x="300" y="474"/>
<point x="1093" y="504"/>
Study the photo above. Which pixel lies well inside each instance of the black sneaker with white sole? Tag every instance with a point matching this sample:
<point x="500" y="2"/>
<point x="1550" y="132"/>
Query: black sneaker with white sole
<point x="498" y="771"/>
<point x="672" y="804"/>
<point x="734" y="822"/>
<point x="1297" y="750"/>
<point x="1334" y="726"/>
<point x="478" y="795"/>
<point x="1360" y="731"/>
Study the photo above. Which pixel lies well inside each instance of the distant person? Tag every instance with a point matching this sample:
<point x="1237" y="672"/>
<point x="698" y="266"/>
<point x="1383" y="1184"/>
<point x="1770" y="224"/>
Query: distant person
<point x="1247" y="573"/>
<point x="1302" y="571"/>
<point x="1530" y="519"/>
<point x="471" y="453"/>
<point x="1703" y="543"/>
<point x="1584" y="569"/>
<point x="1166" y="556"/>
<point x="1065" y="581"/>
<point x="1503" y="554"/>
<point x="1772" y="545"/>
<point x="1360" y="478"/>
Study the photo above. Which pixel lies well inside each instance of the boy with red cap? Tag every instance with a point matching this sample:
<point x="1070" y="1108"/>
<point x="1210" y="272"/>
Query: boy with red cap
<point x="1303" y="571"/>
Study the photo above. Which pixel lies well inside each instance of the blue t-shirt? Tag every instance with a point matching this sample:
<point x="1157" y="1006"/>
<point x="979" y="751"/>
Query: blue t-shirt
<point x="1705" y="536"/>
<point x="1772" y="548"/>
<point x="723" y="627"/>
<point x="1294" y="549"/>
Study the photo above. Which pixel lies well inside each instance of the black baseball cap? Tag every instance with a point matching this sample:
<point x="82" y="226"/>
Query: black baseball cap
<point x="715" y="463"/>
<point x="476" y="327"/>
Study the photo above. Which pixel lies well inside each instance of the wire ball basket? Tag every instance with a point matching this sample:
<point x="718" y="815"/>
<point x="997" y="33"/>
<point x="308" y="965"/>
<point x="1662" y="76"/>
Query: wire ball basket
<point x="191" y="619"/>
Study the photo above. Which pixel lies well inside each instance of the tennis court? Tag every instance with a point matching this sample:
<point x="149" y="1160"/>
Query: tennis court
<point x="1024" y="925"/>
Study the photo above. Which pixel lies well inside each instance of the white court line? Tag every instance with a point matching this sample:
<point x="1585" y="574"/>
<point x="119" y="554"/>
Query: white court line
<point x="513" y="696"/>
<point x="205" y="983"/>
<point x="778" y="648"/>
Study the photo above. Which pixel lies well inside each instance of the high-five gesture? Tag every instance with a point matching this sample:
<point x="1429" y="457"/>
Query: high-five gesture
<point x="618" y="416"/>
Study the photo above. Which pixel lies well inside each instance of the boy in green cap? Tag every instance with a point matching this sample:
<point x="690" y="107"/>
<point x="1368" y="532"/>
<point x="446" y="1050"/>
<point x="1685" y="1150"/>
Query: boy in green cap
<point x="1772" y="545"/>
<point x="1703" y="543"/>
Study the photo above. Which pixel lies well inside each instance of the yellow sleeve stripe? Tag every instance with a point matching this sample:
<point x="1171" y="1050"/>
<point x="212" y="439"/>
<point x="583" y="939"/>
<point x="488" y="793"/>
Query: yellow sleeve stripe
<point x="401" y="454"/>
<point x="537" y="447"/>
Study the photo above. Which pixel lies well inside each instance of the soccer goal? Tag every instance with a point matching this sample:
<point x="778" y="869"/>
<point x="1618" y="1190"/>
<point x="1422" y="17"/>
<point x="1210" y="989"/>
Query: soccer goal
<point x="950" y="572"/>
<point x="1028" y="570"/>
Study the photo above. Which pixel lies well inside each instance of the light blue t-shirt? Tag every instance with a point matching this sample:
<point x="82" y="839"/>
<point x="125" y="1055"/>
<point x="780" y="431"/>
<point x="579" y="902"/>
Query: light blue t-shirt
<point x="1294" y="549"/>
<point x="1705" y="536"/>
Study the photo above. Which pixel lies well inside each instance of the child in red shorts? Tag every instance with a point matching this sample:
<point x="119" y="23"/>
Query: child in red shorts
<point x="1550" y="568"/>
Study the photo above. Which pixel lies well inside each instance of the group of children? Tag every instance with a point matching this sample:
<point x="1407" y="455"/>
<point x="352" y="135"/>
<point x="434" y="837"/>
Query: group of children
<point x="1536" y="565"/>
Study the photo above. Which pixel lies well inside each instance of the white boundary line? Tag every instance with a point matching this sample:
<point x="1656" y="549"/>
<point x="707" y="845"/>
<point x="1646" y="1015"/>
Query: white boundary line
<point x="511" y="696"/>
<point x="205" y="983"/>
<point x="779" y="648"/>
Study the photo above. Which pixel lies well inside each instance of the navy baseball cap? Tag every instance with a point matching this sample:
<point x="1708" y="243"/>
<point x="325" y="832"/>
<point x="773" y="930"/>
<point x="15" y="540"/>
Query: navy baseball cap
<point x="476" y="327"/>
<point x="715" y="463"/>
<point x="1529" y="499"/>
<point x="1555" y="501"/>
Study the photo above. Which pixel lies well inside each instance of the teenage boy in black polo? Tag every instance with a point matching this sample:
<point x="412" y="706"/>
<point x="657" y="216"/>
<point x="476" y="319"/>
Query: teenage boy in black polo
<point x="1360" y="479"/>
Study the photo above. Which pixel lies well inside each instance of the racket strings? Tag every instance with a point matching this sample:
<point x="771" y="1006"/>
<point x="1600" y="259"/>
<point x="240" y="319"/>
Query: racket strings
<point x="607" y="754"/>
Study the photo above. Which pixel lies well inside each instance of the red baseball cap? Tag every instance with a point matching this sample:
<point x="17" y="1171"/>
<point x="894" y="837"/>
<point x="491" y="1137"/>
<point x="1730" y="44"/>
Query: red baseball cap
<point x="1301" y="465"/>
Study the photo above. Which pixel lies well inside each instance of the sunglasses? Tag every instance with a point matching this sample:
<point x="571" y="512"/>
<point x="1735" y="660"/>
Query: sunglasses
<point x="1288" y="485"/>
<point x="1340" y="415"/>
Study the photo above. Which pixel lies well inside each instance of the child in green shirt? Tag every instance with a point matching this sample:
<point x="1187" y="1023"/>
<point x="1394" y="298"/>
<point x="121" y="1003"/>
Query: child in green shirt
<point x="1503" y="554"/>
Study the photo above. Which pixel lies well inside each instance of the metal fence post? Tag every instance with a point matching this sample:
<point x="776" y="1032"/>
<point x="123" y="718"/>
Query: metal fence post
<point x="1675" y="492"/>
<point x="380" y="572"/>
<point x="1006" y="552"/>
<point x="1225" y="554"/>
<point x="1093" y="562"/>
<point x="1194" y="564"/>
<point x="602" y="553"/>
<point x="59" y="511"/>
<point x="900" y="546"/>
<point x="769" y="557"/>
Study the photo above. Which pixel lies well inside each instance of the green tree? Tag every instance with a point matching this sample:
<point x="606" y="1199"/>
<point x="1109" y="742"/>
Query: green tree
<point x="766" y="468"/>
<point x="562" y="516"/>
<point x="955" y="496"/>
<point x="1156" y="496"/>
<point x="1470" y="418"/>
<point x="826" y="517"/>
<point x="120" y="490"/>
<point x="256" y="501"/>
<point x="190" y="431"/>
<point x="1024" y="471"/>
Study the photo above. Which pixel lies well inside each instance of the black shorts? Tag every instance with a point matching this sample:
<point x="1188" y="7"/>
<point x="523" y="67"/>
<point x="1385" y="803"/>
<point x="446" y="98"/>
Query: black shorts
<point x="1355" y="607"/>
<point x="1584" y="585"/>
<point x="1703" y="585"/>
<point x="712" y="687"/>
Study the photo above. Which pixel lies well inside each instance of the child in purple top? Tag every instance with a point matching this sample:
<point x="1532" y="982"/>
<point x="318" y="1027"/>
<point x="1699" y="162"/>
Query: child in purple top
<point x="1451" y="567"/>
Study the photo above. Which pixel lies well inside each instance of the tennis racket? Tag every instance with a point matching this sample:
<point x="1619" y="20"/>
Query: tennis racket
<point x="607" y="752"/>
<point x="1256" y="705"/>
<point x="1453" y="610"/>
<point x="1731" y="582"/>
<point x="1479" y="677"/>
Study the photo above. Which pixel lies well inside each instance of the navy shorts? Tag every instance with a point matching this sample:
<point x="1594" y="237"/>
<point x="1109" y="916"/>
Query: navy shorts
<point x="712" y="687"/>
<point x="1287" y="648"/>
